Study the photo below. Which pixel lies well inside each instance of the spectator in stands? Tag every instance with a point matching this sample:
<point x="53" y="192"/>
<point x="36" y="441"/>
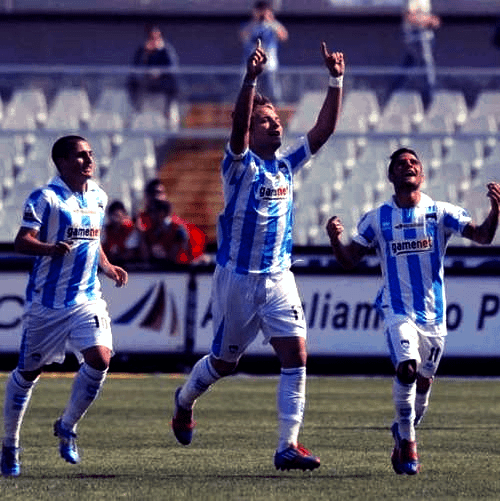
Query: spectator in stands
<point x="116" y="241"/>
<point x="253" y="288"/>
<point x="191" y="252"/>
<point x="419" y="25"/>
<point x="64" y="309"/>
<point x="271" y="33"/>
<point x="410" y="233"/>
<point x="156" y="54"/>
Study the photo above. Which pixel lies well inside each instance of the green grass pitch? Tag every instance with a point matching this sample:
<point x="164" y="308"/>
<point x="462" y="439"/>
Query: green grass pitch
<point x="129" y="451"/>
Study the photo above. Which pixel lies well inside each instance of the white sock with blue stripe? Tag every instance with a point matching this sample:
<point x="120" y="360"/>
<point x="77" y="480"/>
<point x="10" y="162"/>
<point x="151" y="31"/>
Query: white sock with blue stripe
<point x="17" y="397"/>
<point x="291" y="399"/>
<point x="202" y="376"/>
<point x="404" y="402"/>
<point x="86" y="386"/>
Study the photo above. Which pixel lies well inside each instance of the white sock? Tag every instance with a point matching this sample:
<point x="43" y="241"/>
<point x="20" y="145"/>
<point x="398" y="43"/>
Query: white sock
<point x="422" y="403"/>
<point x="202" y="376"/>
<point x="404" y="402"/>
<point x="17" y="397"/>
<point x="86" y="386"/>
<point x="291" y="399"/>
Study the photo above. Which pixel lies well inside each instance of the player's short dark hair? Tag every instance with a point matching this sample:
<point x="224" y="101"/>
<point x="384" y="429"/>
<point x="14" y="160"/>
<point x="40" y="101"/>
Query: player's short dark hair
<point x="393" y="158"/>
<point x="64" y="146"/>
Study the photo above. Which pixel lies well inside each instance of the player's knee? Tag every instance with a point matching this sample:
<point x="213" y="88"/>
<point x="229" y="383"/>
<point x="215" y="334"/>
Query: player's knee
<point x="30" y="375"/>
<point x="407" y="372"/>
<point x="223" y="368"/>
<point x="423" y="383"/>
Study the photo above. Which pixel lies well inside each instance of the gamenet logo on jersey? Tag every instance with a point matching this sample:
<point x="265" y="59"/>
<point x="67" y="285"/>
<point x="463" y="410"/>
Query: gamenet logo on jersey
<point x="411" y="246"/>
<point x="278" y="193"/>
<point x="73" y="232"/>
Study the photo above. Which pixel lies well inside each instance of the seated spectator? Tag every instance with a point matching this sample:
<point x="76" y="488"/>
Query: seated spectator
<point x="117" y="240"/>
<point x="163" y="239"/>
<point x="194" y="251"/>
<point x="155" y="53"/>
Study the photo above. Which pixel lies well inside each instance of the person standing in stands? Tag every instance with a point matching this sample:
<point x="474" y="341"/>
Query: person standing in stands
<point x="64" y="308"/>
<point x="271" y="32"/>
<point x="253" y="287"/>
<point x="156" y="54"/>
<point x="410" y="233"/>
<point x="419" y="25"/>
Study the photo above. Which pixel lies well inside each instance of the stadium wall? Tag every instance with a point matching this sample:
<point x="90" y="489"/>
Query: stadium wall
<point x="163" y="320"/>
<point x="463" y="41"/>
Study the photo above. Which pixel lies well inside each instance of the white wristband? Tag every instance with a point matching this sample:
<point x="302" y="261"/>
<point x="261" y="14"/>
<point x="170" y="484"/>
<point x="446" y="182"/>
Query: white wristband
<point x="336" y="82"/>
<point x="249" y="83"/>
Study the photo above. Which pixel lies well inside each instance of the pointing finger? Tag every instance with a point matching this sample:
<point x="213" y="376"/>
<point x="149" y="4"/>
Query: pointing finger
<point x="324" y="50"/>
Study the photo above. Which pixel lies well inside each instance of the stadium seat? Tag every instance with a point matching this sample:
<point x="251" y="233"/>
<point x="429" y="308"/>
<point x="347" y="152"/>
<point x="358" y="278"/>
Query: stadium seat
<point x="7" y="179"/>
<point x="466" y="149"/>
<point x="395" y="123"/>
<point x="115" y="100"/>
<point x="451" y="181"/>
<point x="306" y="112"/>
<point x="106" y="121"/>
<point x="151" y="121"/>
<point x="362" y="103"/>
<point x="141" y="148"/>
<point x="449" y="103"/>
<point x="408" y="103"/>
<point x="31" y="103"/>
<point x="378" y="148"/>
<point x="487" y="103"/>
<point x="485" y="125"/>
<point x="70" y="110"/>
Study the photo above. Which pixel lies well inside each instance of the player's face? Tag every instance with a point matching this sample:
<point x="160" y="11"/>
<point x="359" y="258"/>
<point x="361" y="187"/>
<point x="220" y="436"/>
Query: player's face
<point x="407" y="172"/>
<point x="266" y="129"/>
<point x="79" y="166"/>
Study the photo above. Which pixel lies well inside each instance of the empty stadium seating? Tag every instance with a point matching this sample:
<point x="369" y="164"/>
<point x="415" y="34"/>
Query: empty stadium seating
<point x="457" y="145"/>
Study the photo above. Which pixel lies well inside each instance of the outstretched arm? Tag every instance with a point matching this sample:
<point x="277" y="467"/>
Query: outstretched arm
<point x="243" y="110"/>
<point x="348" y="255"/>
<point x="330" y="111"/>
<point x="485" y="233"/>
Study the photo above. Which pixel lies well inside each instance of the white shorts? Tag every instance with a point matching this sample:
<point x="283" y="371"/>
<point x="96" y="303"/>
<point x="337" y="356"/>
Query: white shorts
<point x="48" y="334"/>
<point x="244" y="304"/>
<point x="407" y="342"/>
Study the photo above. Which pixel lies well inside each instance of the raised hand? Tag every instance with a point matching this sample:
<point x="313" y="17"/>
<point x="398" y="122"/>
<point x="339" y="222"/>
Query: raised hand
<point x="494" y="195"/>
<point x="256" y="61"/>
<point x="334" y="61"/>
<point x="334" y="228"/>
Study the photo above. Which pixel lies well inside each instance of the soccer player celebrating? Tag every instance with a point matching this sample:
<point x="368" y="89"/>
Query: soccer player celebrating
<point x="410" y="233"/>
<point x="64" y="309"/>
<point x="253" y="287"/>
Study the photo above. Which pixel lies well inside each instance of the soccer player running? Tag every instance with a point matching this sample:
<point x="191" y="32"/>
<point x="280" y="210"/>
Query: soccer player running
<point x="410" y="233"/>
<point x="253" y="287"/>
<point x="61" y="226"/>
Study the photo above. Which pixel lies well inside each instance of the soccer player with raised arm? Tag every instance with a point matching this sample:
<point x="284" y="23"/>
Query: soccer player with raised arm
<point x="61" y="227"/>
<point x="253" y="287"/>
<point x="410" y="233"/>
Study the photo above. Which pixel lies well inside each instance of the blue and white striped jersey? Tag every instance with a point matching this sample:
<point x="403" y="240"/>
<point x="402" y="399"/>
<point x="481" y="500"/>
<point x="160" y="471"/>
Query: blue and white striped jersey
<point x="411" y="244"/>
<point x="255" y="228"/>
<point x="60" y="214"/>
